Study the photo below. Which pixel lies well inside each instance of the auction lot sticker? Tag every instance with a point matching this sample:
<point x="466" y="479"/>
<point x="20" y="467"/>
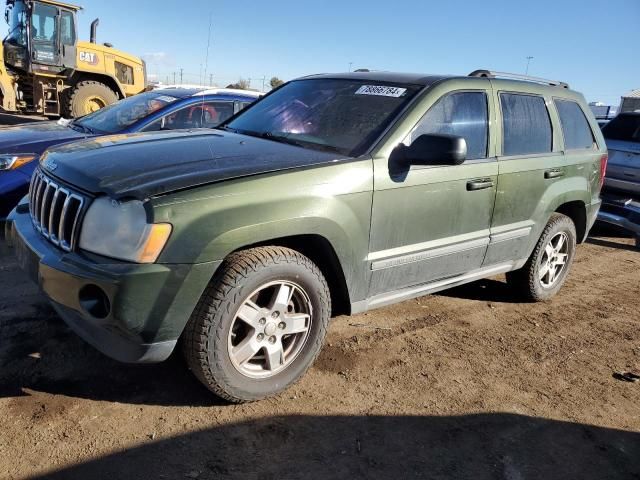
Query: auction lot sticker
<point x="381" y="90"/>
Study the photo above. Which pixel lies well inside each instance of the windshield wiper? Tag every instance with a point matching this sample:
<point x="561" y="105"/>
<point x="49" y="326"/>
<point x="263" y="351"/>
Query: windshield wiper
<point x="289" y="141"/>
<point x="81" y="128"/>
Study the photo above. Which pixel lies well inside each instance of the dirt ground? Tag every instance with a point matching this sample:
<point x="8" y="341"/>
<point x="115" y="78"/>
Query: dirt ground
<point x="469" y="383"/>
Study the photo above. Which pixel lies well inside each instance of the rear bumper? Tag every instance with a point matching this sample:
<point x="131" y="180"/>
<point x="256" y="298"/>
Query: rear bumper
<point x="631" y="187"/>
<point x="622" y="212"/>
<point x="130" y="312"/>
<point x="592" y="215"/>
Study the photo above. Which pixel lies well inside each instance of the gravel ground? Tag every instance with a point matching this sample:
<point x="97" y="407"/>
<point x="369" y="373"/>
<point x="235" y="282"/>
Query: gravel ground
<point x="468" y="383"/>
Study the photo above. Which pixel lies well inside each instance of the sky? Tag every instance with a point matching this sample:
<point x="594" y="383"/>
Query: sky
<point x="593" y="45"/>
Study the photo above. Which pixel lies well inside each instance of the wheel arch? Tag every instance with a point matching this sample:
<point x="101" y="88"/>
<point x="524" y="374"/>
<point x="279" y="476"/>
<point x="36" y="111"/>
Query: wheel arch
<point x="321" y="252"/>
<point x="576" y="210"/>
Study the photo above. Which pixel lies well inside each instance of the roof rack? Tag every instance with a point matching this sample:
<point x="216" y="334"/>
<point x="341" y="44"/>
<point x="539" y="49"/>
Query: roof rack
<point x="517" y="76"/>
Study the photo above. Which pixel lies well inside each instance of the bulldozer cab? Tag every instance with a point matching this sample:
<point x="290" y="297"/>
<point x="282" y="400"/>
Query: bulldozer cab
<point x="42" y="36"/>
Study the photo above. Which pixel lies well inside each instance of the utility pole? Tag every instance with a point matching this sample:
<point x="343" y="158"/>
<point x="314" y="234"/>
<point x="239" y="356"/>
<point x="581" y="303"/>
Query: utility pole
<point x="181" y="70"/>
<point x="526" y="72"/>
<point x="350" y="64"/>
<point x="264" y="78"/>
<point x="174" y="78"/>
<point x="211" y="79"/>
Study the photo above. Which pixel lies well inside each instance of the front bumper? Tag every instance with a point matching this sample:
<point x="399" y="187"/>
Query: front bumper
<point x="130" y="312"/>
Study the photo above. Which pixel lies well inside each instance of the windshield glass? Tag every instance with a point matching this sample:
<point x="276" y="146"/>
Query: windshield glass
<point x="117" y="116"/>
<point x="623" y="127"/>
<point x="17" y="25"/>
<point x="344" y="116"/>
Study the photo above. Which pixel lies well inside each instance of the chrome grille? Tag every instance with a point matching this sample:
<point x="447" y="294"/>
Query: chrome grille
<point x="55" y="211"/>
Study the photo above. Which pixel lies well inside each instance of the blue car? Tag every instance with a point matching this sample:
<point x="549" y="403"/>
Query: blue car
<point x="164" y="109"/>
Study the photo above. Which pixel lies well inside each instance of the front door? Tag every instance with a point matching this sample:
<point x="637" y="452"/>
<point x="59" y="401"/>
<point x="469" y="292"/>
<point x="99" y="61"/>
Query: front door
<point x="44" y="35"/>
<point x="432" y="222"/>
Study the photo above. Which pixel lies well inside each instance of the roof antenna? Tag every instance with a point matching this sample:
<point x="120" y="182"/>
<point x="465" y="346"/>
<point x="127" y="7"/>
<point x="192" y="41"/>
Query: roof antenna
<point x="206" y="64"/>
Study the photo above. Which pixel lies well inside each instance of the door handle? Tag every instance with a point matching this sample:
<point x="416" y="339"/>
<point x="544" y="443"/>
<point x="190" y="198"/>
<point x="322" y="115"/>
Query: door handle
<point x="479" y="184"/>
<point x="553" y="173"/>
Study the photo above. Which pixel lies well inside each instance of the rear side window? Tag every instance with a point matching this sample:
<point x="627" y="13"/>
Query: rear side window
<point x="575" y="128"/>
<point x="526" y="125"/>
<point x="463" y="114"/>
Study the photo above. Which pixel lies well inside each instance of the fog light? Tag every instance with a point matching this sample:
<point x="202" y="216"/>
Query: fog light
<point x="94" y="301"/>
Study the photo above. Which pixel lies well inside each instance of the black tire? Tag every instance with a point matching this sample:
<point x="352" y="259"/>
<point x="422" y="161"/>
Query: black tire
<point x="527" y="279"/>
<point x="75" y="105"/>
<point x="205" y="339"/>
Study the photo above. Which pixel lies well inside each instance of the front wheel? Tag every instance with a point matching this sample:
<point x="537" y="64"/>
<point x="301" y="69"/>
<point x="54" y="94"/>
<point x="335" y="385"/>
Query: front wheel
<point x="87" y="97"/>
<point x="546" y="270"/>
<point x="259" y="325"/>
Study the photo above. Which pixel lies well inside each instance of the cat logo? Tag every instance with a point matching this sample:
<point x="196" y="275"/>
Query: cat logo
<point x="89" y="57"/>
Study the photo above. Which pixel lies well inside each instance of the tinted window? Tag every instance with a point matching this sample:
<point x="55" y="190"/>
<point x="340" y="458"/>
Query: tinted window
<point x="338" y="115"/>
<point x="463" y="114"/>
<point x="575" y="128"/>
<point x="623" y="127"/>
<point x="525" y="124"/>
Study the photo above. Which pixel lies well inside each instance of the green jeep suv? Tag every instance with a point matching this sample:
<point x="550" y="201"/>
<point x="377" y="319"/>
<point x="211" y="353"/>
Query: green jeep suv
<point x="333" y="194"/>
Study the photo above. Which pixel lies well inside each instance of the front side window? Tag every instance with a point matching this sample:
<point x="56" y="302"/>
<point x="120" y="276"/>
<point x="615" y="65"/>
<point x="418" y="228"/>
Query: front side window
<point x="339" y="115"/>
<point x="117" y="116"/>
<point x="463" y="114"/>
<point x="575" y="127"/>
<point x="199" y="115"/>
<point x="526" y="127"/>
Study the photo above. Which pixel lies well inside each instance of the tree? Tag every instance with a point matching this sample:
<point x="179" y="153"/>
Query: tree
<point x="241" y="84"/>
<point x="275" y="82"/>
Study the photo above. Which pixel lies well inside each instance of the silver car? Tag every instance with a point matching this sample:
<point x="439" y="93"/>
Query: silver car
<point x="621" y="194"/>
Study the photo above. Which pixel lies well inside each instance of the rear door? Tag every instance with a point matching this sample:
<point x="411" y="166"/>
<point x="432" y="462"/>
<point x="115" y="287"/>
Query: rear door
<point x="432" y="222"/>
<point x="531" y="162"/>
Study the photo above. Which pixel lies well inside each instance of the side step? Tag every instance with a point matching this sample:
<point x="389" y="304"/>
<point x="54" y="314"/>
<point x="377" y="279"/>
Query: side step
<point x="50" y="100"/>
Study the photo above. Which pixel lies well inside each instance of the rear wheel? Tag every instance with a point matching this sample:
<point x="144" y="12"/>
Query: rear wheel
<point x="87" y="97"/>
<point x="546" y="270"/>
<point x="259" y="325"/>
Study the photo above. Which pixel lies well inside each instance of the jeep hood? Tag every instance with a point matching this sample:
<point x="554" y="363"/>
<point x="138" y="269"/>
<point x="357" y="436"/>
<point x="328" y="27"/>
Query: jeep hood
<point x="35" y="137"/>
<point x="143" y="165"/>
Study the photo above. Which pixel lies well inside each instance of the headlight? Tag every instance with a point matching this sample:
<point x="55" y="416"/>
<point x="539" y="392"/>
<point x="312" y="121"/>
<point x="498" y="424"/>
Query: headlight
<point x="120" y="230"/>
<point x="12" y="161"/>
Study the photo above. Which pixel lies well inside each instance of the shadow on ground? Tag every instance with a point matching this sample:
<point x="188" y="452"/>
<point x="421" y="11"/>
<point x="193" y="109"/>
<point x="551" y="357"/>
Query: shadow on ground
<point x="486" y="290"/>
<point x="11" y="119"/>
<point x="39" y="352"/>
<point x="485" y="446"/>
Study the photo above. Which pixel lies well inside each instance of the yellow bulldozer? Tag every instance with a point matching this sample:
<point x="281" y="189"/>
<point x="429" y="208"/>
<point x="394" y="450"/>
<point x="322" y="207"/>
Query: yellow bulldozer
<point x="45" y="70"/>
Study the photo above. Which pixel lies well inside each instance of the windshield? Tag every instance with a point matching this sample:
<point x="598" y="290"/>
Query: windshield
<point x="17" y="25"/>
<point x="117" y="116"/>
<point x="623" y="127"/>
<point x="344" y="116"/>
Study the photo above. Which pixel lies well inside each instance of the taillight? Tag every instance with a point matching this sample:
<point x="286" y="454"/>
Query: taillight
<point x="603" y="168"/>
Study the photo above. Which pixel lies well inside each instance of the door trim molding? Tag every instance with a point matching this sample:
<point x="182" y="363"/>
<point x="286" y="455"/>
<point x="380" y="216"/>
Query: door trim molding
<point x="420" y="254"/>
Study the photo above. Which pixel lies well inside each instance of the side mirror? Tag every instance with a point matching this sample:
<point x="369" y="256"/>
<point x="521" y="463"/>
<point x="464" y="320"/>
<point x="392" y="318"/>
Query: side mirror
<point x="435" y="149"/>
